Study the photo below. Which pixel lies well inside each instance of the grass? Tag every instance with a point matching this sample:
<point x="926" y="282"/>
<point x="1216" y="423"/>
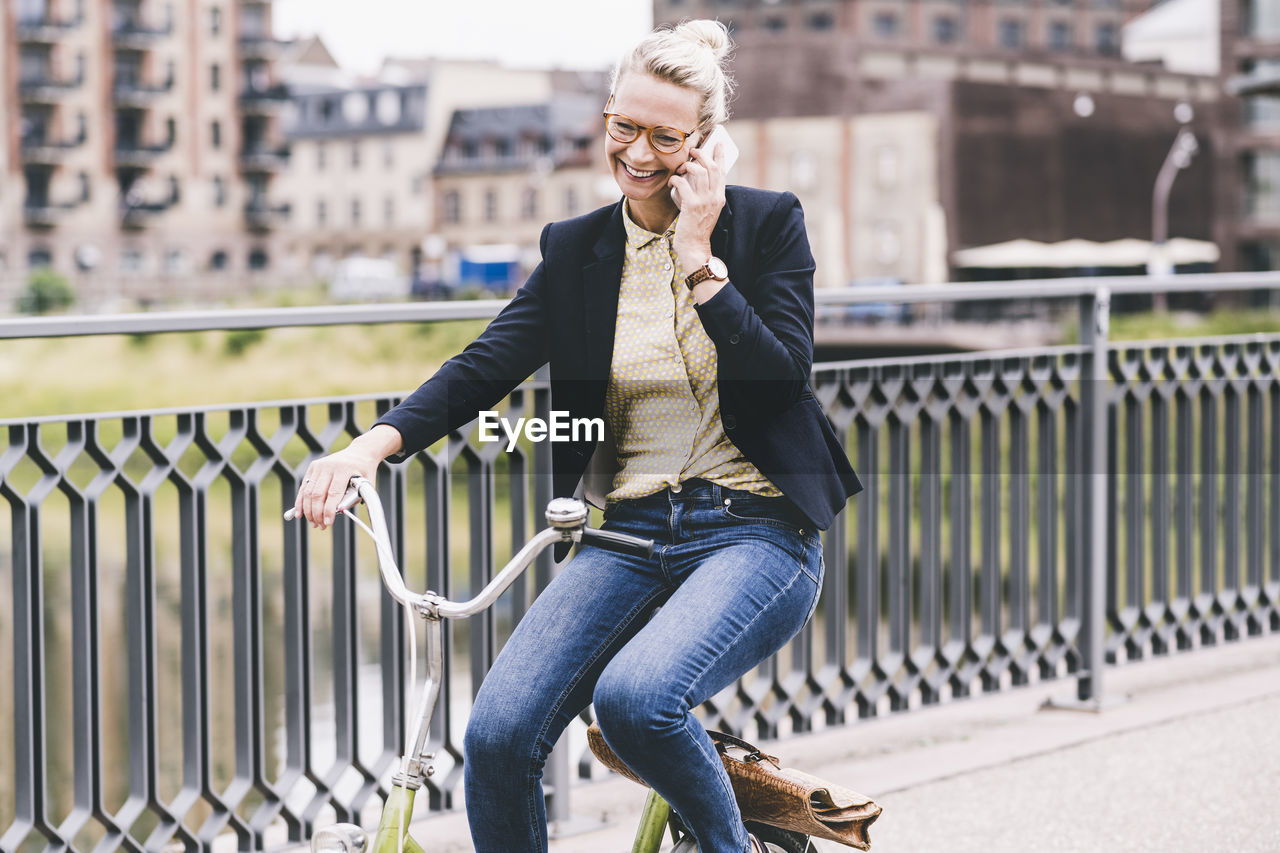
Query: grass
<point x="1178" y="324"/>
<point x="40" y="377"/>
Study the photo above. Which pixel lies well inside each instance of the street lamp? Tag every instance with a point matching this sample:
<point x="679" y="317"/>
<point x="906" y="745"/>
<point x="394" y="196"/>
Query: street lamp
<point x="1179" y="157"/>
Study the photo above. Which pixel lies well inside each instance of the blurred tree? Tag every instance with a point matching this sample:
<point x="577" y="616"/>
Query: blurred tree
<point x="46" y="291"/>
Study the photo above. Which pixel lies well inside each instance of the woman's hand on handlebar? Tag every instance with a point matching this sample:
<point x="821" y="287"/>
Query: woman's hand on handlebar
<point x="327" y="478"/>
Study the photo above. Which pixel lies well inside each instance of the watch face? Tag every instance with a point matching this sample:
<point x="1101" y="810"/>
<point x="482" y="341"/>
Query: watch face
<point x="718" y="269"/>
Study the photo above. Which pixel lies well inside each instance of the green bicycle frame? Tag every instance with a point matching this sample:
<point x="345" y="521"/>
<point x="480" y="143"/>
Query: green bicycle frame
<point x="396" y="813"/>
<point x="653" y="822"/>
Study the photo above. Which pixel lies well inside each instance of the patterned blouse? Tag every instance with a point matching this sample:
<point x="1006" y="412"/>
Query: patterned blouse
<point x="662" y="405"/>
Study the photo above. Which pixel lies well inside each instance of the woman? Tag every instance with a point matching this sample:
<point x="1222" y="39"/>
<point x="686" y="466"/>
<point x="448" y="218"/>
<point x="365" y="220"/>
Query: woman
<point x="689" y="330"/>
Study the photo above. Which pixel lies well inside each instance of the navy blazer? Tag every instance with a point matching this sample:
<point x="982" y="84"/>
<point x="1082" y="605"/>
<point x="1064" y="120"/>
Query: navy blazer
<point x="761" y="323"/>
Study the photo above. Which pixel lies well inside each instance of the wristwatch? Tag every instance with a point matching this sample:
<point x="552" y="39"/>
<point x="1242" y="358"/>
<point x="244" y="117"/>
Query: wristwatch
<point x="714" y="269"/>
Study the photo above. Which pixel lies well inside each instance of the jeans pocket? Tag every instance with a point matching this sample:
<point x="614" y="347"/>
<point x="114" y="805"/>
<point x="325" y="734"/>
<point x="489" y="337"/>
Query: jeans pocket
<point x="757" y="511"/>
<point x="817" y="581"/>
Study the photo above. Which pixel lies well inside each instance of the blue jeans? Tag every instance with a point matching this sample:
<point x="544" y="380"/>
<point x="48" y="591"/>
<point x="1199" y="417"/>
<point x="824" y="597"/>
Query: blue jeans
<point x="736" y="576"/>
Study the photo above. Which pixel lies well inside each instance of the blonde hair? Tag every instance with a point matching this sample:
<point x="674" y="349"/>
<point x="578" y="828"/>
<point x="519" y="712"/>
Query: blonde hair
<point x="693" y="55"/>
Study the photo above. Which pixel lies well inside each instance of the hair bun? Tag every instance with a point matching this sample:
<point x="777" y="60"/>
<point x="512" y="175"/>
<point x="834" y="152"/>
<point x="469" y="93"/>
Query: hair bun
<point x="712" y="34"/>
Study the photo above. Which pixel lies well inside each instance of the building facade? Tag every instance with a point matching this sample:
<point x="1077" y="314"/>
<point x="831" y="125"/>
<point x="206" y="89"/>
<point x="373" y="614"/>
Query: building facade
<point x="914" y="129"/>
<point x="507" y="171"/>
<point x="141" y="145"/>
<point x="1248" y="156"/>
<point x="359" y="182"/>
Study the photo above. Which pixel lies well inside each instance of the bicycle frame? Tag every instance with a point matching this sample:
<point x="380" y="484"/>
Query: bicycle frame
<point x="567" y="519"/>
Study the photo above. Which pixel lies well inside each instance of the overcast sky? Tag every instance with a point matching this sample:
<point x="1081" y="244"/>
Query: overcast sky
<point x="563" y="33"/>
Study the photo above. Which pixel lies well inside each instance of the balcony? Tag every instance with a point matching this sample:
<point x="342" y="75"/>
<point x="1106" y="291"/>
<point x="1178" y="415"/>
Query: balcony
<point x="137" y="35"/>
<point x="133" y="93"/>
<point x="137" y="214"/>
<point x="267" y="101"/>
<point x="46" y="30"/>
<point x="139" y="156"/>
<point x="261" y="47"/>
<point x="260" y="158"/>
<point x="37" y="215"/>
<point x="261" y="216"/>
<point x="47" y="89"/>
<point x="46" y="152"/>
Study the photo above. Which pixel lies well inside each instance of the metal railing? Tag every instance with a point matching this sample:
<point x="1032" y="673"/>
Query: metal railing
<point x="187" y="665"/>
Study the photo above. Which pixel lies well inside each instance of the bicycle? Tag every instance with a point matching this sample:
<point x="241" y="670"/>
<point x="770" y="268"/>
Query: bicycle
<point x="566" y="518"/>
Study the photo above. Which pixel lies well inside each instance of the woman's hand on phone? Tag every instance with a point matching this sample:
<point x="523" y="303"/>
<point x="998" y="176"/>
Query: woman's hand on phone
<point x="700" y="184"/>
<point x="327" y="478"/>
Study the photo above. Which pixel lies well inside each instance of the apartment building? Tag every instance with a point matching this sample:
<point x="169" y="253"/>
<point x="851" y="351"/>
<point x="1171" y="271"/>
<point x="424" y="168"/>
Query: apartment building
<point x="507" y="171"/>
<point x="359" y="181"/>
<point x="142" y="144"/>
<point x="1248" y="160"/>
<point x="913" y="130"/>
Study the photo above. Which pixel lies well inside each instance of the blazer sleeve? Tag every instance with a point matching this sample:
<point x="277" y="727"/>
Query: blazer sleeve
<point x="771" y="337"/>
<point x="506" y="353"/>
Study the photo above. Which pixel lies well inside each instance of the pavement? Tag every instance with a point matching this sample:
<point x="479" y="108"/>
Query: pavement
<point x="1184" y="755"/>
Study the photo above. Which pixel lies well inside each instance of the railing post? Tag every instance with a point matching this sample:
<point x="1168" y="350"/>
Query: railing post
<point x="1095" y="320"/>
<point x="558" y="771"/>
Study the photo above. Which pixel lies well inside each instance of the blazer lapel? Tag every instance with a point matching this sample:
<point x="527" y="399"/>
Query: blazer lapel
<point x="601" y="281"/>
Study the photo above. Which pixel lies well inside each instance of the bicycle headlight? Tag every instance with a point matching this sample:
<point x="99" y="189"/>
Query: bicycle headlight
<point x="339" y="838"/>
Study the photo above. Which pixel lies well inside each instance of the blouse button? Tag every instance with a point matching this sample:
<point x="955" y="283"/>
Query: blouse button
<point x="730" y="422"/>
<point x="734" y="338"/>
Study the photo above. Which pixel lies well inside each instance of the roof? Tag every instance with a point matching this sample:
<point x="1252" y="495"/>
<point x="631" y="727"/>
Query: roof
<point x="566" y="116"/>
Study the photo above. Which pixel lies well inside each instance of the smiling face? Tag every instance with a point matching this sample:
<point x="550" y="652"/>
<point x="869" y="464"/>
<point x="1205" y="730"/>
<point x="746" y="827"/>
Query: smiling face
<point x="641" y="172"/>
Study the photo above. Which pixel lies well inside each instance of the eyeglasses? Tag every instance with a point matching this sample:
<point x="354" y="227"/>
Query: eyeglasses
<point x="666" y="140"/>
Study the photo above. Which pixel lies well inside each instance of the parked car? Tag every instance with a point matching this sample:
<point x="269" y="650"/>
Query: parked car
<point x="367" y="280"/>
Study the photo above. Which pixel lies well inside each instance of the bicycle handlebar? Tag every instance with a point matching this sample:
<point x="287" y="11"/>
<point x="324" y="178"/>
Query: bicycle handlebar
<point x="567" y="517"/>
<point x="618" y="542"/>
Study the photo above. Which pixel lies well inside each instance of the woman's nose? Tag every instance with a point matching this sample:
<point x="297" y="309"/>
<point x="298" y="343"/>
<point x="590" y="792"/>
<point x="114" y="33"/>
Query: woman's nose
<point x="640" y="151"/>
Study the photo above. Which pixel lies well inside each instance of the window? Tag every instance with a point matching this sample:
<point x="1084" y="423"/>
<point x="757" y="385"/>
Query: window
<point x="258" y="259"/>
<point x="219" y="192"/>
<point x="822" y="21"/>
<point x="1012" y="32"/>
<point x="885" y="24"/>
<point x="1105" y="40"/>
<point x="40" y="257"/>
<point x="219" y="260"/>
<point x="215" y="77"/>
<point x="215" y="20"/>
<point x="529" y="203"/>
<point x="452" y="207"/>
<point x="1262" y="186"/>
<point x="215" y="133"/>
<point x="490" y="205"/>
<point x="775" y="23"/>
<point x="131" y="260"/>
<point x="1261" y="19"/>
<point x="319" y="156"/>
<point x="1262" y="112"/>
<point x="945" y="29"/>
<point x="175" y="261"/>
<point x="322" y="213"/>
<point x="355" y="155"/>
<point x="355" y="211"/>
<point x="1059" y="35"/>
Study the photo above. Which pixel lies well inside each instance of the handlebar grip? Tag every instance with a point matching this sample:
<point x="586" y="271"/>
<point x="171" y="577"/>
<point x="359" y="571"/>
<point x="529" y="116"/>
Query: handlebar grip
<point x="350" y="499"/>
<point x="622" y="542"/>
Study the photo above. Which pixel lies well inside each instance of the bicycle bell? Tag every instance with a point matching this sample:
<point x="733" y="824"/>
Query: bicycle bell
<point x="566" y="513"/>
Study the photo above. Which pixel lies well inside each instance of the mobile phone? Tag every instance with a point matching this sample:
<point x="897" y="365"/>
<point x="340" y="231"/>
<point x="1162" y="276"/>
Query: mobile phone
<point x="729" y="151"/>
